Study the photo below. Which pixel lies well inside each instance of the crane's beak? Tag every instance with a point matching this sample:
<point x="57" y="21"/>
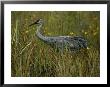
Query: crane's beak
<point x="33" y="24"/>
<point x="36" y="22"/>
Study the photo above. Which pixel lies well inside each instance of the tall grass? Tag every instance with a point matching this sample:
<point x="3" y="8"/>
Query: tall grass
<point x="31" y="57"/>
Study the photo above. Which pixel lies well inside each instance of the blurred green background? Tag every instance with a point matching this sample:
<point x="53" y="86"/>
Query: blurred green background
<point x="31" y="57"/>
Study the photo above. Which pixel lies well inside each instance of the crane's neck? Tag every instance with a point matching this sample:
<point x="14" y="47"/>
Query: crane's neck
<point x="42" y="37"/>
<point x="39" y="33"/>
<point x="39" y="28"/>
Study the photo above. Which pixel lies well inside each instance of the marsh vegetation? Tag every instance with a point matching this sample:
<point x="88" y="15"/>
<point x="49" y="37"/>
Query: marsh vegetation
<point x="31" y="57"/>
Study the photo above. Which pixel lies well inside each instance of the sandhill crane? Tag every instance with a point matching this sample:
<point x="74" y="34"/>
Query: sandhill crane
<point x="60" y="42"/>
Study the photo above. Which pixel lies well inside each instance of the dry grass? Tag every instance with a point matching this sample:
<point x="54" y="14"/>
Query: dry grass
<point x="32" y="57"/>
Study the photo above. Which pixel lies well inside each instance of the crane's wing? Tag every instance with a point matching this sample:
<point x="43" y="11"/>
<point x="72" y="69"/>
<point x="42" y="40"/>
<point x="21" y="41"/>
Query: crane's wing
<point x="77" y="41"/>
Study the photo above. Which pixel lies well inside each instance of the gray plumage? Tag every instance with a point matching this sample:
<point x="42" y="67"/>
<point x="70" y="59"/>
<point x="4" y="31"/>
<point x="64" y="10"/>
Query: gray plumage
<point x="61" y="42"/>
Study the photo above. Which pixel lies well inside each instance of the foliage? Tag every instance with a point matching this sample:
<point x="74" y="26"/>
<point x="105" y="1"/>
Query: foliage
<point x="31" y="57"/>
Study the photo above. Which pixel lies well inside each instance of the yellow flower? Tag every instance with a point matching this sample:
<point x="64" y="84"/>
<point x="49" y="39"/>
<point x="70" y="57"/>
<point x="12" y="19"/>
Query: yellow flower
<point x="27" y="31"/>
<point x="49" y="33"/>
<point x="85" y="33"/>
<point x="88" y="48"/>
<point x="71" y="33"/>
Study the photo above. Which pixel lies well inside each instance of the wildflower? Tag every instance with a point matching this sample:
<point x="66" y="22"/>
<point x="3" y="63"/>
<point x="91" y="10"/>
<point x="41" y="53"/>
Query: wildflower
<point x="27" y="31"/>
<point x="71" y="33"/>
<point x="88" y="48"/>
<point x="85" y="33"/>
<point x="49" y="33"/>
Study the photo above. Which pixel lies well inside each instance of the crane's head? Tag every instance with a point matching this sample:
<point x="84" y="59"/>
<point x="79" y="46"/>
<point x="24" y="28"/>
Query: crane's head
<point x="38" y="22"/>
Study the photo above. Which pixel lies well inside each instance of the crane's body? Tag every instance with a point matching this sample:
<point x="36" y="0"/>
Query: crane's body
<point x="61" y="42"/>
